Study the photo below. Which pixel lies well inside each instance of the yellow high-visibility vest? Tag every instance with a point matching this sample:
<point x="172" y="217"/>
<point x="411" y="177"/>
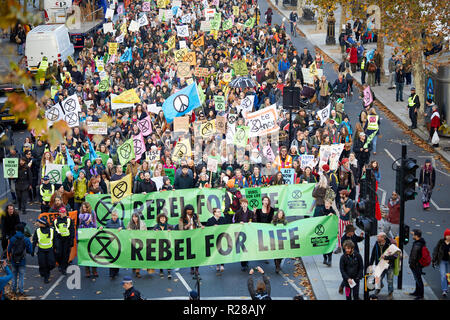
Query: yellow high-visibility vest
<point x="45" y="241"/>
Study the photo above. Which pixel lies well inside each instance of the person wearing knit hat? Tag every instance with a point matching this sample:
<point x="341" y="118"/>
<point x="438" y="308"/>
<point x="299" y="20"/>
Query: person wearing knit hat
<point x="427" y="181"/>
<point x="441" y="258"/>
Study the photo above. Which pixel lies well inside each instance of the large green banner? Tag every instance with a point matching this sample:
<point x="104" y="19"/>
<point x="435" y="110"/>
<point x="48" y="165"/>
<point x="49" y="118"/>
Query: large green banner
<point x="208" y="246"/>
<point x="294" y="200"/>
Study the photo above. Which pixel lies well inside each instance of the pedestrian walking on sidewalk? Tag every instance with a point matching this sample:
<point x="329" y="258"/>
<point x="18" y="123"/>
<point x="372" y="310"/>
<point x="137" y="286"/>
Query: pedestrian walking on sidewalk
<point x="435" y="124"/>
<point x="414" y="264"/>
<point x="293" y="17"/>
<point x="392" y="223"/>
<point x="441" y="258"/>
<point x="351" y="267"/>
<point x="391" y="68"/>
<point x="427" y="181"/>
<point x="413" y="106"/>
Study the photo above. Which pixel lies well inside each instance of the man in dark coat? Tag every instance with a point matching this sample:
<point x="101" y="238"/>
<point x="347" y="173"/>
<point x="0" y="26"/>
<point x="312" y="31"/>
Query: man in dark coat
<point x="147" y="185"/>
<point x="351" y="267"/>
<point x="23" y="184"/>
<point x="184" y="180"/>
<point x="415" y="266"/>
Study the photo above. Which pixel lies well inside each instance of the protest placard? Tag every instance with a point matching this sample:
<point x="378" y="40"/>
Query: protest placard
<point x="97" y="127"/>
<point x="262" y="122"/>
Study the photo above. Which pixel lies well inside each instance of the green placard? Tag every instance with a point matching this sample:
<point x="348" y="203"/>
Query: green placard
<point x="294" y="200"/>
<point x="227" y="24"/>
<point x="241" y="136"/>
<point x="253" y="195"/>
<point x="170" y="173"/>
<point x="102" y="155"/>
<point x="209" y="246"/>
<point x="126" y="152"/>
<point x="219" y="102"/>
<point x="10" y="167"/>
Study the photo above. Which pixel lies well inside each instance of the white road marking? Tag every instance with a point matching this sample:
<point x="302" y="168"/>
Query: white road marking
<point x="391" y="156"/>
<point x="437" y="207"/>
<point x="52" y="288"/>
<point x="293" y="285"/>
<point x="188" y="288"/>
<point x="383" y="197"/>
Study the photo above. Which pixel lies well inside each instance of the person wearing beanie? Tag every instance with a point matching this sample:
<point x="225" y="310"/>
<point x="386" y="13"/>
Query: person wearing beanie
<point x="427" y="181"/>
<point x="441" y="258"/>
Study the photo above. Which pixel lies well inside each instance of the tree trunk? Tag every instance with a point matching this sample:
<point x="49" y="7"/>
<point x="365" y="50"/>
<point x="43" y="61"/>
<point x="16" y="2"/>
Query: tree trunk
<point x="380" y="49"/>
<point x="320" y="26"/>
<point x="300" y="5"/>
<point x="418" y="73"/>
<point x="41" y="5"/>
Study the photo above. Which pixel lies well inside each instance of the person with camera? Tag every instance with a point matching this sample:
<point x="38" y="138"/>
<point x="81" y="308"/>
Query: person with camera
<point x="262" y="291"/>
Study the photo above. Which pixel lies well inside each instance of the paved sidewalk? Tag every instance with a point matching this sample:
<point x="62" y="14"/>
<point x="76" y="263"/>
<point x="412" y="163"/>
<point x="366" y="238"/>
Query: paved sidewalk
<point x="325" y="280"/>
<point x="382" y="93"/>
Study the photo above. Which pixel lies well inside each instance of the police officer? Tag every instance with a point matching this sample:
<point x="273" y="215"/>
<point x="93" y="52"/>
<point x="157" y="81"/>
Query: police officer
<point x="43" y="238"/>
<point x="130" y="292"/>
<point x="45" y="191"/>
<point x="65" y="233"/>
<point x="413" y="106"/>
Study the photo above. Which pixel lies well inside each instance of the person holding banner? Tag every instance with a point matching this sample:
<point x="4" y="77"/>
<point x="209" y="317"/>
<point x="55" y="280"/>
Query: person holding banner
<point x="64" y="236"/>
<point x="215" y="220"/>
<point x="113" y="223"/>
<point x="162" y="225"/>
<point x="87" y="219"/>
<point x="189" y="221"/>
<point x="243" y="215"/>
<point x="136" y="224"/>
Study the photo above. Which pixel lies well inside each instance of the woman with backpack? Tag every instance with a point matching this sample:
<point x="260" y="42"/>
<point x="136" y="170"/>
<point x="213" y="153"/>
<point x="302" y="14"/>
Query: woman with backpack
<point x="427" y="181"/>
<point x="18" y="247"/>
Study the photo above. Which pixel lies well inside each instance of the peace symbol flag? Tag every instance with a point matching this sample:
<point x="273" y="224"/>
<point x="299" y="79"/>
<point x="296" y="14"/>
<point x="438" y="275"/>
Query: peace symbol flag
<point x="126" y="152"/>
<point x="121" y="188"/>
<point x="181" y="102"/>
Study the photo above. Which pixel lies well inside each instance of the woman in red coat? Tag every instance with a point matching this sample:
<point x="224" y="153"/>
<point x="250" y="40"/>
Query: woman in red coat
<point x="353" y="58"/>
<point x="435" y="123"/>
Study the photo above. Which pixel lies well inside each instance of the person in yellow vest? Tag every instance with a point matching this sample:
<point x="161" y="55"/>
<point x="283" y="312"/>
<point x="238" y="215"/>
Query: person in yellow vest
<point x="283" y="160"/>
<point x="413" y="106"/>
<point x="43" y="238"/>
<point x="373" y="128"/>
<point x="46" y="191"/>
<point x="64" y="235"/>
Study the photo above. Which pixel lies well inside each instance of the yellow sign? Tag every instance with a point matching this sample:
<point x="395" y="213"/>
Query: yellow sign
<point x="71" y="61"/>
<point x="112" y="48"/>
<point x="161" y="4"/>
<point x="215" y="33"/>
<point x="182" y="150"/>
<point x="121" y="188"/>
<point x="208" y="128"/>
<point x="226" y="77"/>
<point x="183" y="70"/>
<point x="179" y="54"/>
<point x="313" y="69"/>
<point x="171" y="42"/>
<point x="129" y="96"/>
<point x="123" y="28"/>
<point x="236" y="11"/>
<point x="190" y="58"/>
<point x="199" y="42"/>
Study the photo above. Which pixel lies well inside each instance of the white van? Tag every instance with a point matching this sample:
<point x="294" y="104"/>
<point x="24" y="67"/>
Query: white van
<point x="48" y="40"/>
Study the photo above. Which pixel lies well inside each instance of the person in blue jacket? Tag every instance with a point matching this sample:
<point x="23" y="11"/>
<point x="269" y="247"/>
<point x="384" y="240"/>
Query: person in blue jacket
<point x="5" y="279"/>
<point x="18" y="267"/>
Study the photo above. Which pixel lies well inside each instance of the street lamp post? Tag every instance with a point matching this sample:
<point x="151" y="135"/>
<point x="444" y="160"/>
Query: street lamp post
<point x="331" y="39"/>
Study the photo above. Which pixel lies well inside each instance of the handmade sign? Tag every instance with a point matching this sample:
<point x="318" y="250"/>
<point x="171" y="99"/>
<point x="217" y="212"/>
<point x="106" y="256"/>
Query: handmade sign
<point x="181" y="124"/>
<point x="221" y="124"/>
<point x="368" y="97"/>
<point x="97" y="127"/>
<point x="324" y="114"/>
<point x="253" y="195"/>
<point x="201" y="72"/>
<point x="262" y="122"/>
<point x="219" y="103"/>
<point x="182" y="150"/>
<point x="10" y="167"/>
<point x="288" y="175"/>
<point x="121" y="188"/>
<point x="208" y="128"/>
<point x="212" y="164"/>
<point x="240" y="67"/>
<point x="183" y="70"/>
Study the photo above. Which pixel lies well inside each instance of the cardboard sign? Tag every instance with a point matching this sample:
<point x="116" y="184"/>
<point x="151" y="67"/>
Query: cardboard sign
<point x="201" y="72"/>
<point x="262" y="122"/>
<point x="205" y="26"/>
<point x="179" y="54"/>
<point x="153" y="155"/>
<point x="97" y="127"/>
<point x="308" y="77"/>
<point x="10" y="167"/>
<point x="212" y="164"/>
<point x="368" y="97"/>
<point x="108" y="27"/>
<point x="221" y="124"/>
<point x="307" y="160"/>
<point x="183" y="70"/>
<point x="182" y="150"/>
<point x="181" y="124"/>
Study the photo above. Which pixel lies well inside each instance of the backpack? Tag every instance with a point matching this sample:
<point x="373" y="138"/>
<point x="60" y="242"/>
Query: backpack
<point x="262" y="296"/>
<point x="235" y="203"/>
<point x="425" y="259"/>
<point x="18" y="250"/>
<point x="372" y="67"/>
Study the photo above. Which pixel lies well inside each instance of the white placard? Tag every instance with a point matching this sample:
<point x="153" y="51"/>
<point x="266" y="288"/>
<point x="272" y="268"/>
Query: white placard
<point x="108" y="27"/>
<point x="262" y="122"/>
<point x="183" y="31"/>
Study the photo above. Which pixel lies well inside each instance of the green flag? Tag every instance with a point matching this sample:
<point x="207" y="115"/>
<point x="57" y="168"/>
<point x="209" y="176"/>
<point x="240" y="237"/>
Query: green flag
<point x="241" y="136"/>
<point x="209" y="246"/>
<point x="249" y="23"/>
<point x="219" y="102"/>
<point x="253" y="195"/>
<point x="227" y="24"/>
<point x="103" y="85"/>
<point x="126" y="152"/>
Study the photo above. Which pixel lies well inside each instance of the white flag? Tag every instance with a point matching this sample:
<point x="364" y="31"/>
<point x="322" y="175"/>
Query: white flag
<point x="143" y="21"/>
<point x="54" y="114"/>
<point x="324" y="114"/>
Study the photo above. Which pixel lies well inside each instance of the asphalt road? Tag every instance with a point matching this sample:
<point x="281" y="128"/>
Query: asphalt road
<point x="232" y="284"/>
